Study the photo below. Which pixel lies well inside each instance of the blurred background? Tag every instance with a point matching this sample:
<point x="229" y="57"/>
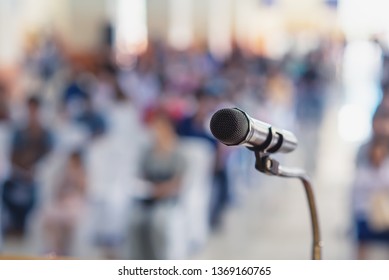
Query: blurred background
<point x="105" y="149"/>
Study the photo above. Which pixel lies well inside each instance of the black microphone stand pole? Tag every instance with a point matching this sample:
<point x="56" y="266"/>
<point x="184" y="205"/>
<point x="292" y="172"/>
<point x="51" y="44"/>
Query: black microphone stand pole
<point x="265" y="164"/>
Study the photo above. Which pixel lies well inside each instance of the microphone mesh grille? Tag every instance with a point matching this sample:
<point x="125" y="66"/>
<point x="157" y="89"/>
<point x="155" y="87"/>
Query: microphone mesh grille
<point x="229" y="126"/>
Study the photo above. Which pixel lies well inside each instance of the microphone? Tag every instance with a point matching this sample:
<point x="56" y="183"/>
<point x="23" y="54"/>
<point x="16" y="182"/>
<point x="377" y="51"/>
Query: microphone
<point x="232" y="126"/>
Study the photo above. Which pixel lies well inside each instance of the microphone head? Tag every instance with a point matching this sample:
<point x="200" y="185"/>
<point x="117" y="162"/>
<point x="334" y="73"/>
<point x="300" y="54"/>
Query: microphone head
<point x="229" y="126"/>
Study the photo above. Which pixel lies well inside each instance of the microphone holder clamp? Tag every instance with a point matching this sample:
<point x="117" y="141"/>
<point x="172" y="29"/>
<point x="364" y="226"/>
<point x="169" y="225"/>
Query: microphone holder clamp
<point x="265" y="164"/>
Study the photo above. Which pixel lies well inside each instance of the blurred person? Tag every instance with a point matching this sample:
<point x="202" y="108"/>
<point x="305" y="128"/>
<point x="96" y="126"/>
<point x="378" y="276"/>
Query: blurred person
<point x="4" y="109"/>
<point x="385" y="96"/>
<point x="91" y="119"/>
<point x="162" y="167"/>
<point x="310" y="106"/>
<point x="4" y="144"/>
<point x="279" y="99"/>
<point x="63" y="215"/>
<point x="180" y="72"/>
<point x="385" y="67"/>
<point x="74" y="95"/>
<point x="124" y="120"/>
<point x="30" y="143"/>
<point x="124" y="141"/>
<point x="4" y="131"/>
<point x="106" y="87"/>
<point x="310" y="86"/>
<point x="196" y="125"/>
<point x="49" y="57"/>
<point x="142" y="83"/>
<point x="107" y="36"/>
<point x="371" y="186"/>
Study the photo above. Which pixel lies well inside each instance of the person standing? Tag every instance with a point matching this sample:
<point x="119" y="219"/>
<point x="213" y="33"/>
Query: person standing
<point x="64" y="214"/>
<point x="162" y="167"/>
<point x="30" y="143"/>
<point x="370" y="188"/>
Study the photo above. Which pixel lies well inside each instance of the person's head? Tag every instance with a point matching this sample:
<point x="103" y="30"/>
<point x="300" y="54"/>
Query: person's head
<point x="385" y="95"/>
<point x="378" y="151"/>
<point x="120" y="96"/>
<point x="75" y="158"/>
<point x="3" y="102"/>
<point x="205" y="103"/>
<point x="33" y="108"/>
<point x="3" y="90"/>
<point x="162" y="126"/>
<point x="107" y="71"/>
<point x="381" y="123"/>
<point x="73" y="164"/>
<point x="88" y="104"/>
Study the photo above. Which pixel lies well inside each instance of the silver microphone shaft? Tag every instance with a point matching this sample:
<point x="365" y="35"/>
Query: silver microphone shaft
<point x="235" y="127"/>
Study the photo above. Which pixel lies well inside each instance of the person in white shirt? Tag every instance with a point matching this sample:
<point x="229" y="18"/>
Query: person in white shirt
<point x="371" y="183"/>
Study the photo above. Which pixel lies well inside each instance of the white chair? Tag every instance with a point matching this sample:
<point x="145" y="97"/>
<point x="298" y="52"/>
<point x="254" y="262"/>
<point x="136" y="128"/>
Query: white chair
<point x="190" y="228"/>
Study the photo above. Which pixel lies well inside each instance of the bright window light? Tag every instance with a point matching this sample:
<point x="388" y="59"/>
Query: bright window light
<point x="180" y="34"/>
<point x="360" y="18"/>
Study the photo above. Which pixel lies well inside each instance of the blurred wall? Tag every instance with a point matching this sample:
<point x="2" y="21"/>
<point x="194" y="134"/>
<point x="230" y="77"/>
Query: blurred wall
<point x="80" y="22"/>
<point x="158" y="18"/>
<point x="10" y="35"/>
<point x="77" y="22"/>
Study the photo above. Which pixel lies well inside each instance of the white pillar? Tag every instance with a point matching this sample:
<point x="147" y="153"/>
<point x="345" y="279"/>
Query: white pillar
<point x="360" y="19"/>
<point x="220" y="24"/>
<point x="131" y="26"/>
<point x="79" y="22"/>
<point x="245" y="25"/>
<point x="10" y="33"/>
<point x="180" y="34"/>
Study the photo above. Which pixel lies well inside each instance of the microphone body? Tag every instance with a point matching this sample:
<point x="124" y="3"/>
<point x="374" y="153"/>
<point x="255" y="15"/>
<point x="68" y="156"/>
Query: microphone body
<point x="235" y="127"/>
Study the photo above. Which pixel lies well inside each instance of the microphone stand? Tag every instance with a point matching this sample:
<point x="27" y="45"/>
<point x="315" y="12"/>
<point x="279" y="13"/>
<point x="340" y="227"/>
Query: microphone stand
<point x="265" y="164"/>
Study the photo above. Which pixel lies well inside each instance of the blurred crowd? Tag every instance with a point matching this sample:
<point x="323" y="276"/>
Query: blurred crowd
<point x="116" y="153"/>
<point x="370" y="187"/>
